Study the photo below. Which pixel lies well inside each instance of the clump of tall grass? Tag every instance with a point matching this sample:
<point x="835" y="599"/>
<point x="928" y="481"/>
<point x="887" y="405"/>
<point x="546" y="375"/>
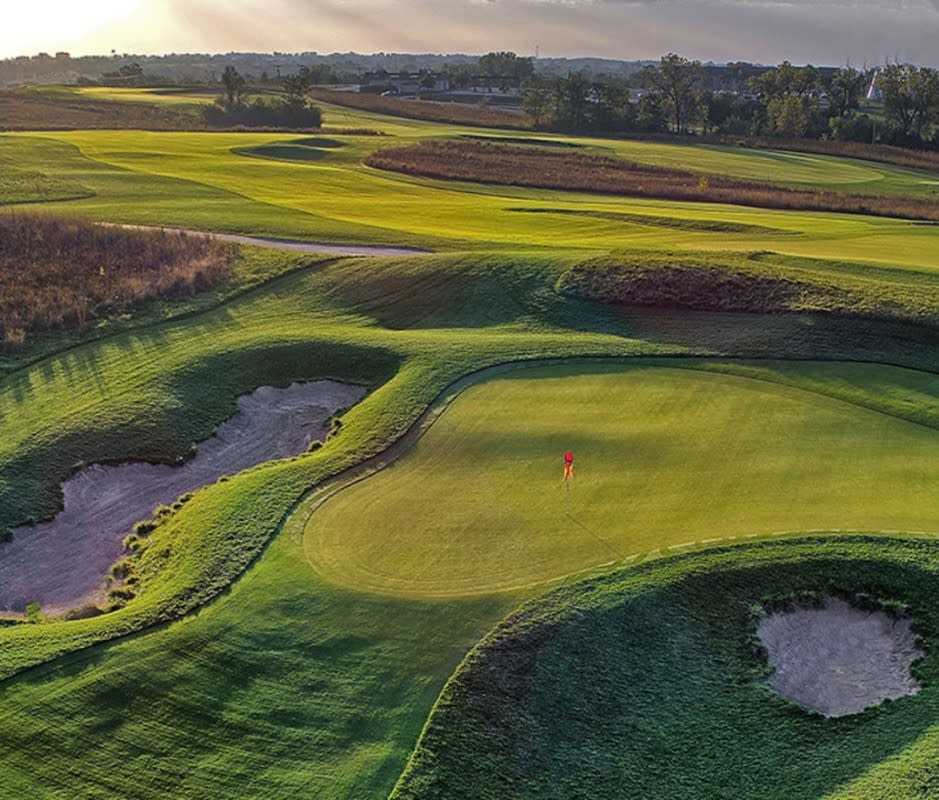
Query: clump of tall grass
<point x="59" y="273"/>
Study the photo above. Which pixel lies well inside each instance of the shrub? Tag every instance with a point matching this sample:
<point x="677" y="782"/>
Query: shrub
<point x="291" y="113"/>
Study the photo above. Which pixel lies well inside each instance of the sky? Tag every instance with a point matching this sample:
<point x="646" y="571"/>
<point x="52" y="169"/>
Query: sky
<point x="766" y="31"/>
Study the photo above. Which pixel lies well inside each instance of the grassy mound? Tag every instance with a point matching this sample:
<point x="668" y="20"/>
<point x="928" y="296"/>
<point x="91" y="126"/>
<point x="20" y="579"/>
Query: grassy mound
<point x="646" y="683"/>
<point x="752" y="282"/>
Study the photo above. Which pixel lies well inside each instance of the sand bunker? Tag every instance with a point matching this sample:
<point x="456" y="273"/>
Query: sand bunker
<point x="62" y="563"/>
<point x="838" y="659"/>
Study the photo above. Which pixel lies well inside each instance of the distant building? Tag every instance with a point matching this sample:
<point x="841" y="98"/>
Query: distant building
<point x="403" y="83"/>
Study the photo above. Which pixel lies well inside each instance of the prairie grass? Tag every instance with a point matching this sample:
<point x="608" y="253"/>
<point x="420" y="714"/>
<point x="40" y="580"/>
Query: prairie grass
<point x="22" y="109"/>
<point x="429" y="110"/>
<point x="60" y="273"/>
<point x="883" y="153"/>
<point x="756" y="282"/>
<point x="544" y="168"/>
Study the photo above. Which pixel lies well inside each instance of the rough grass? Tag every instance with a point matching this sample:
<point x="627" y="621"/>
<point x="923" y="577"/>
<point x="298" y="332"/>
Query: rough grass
<point x="753" y="282"/>
<point x="430" y="110"/>
<point x="646" y="683"/>
<point x="883" y="153"/>
<point x="25" y="109"/>
<point x="488" y="162"/>
<point x="59" y="273"/>
<point x="33" y="186"/>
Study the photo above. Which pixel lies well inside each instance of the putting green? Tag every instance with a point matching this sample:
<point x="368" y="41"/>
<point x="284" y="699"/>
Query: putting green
<point x="665" y="457"/>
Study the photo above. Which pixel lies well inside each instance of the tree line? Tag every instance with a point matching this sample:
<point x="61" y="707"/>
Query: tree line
<point x="787" y="101"/>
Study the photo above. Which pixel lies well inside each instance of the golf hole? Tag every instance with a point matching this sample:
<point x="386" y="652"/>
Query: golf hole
<point x="838" y="659"/>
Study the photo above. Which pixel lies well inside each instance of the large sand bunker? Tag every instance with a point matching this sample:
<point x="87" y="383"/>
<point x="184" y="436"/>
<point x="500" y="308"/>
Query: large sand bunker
<point x="61" y="563"/>
<point x="838" y="659"/>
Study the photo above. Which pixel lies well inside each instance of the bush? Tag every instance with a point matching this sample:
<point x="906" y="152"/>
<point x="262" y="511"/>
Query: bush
<point x="851" y="129"/>
<point x="293" y="113"/>
<point x="33" y="612"/>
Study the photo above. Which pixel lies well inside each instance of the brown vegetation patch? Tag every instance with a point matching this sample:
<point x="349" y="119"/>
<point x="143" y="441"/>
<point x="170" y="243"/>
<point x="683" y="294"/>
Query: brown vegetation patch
<point x="884" y="153"/>
<point x="488" y="162"/>
<point x="743" y="282"/>
<point x="432" y="110"/>
<point x="27" y="110"/>
<point x="58" y="273"/>
<point x="705" y="288"/>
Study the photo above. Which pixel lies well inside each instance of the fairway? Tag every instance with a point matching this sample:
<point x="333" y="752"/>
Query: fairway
<point x="664" y="457"/>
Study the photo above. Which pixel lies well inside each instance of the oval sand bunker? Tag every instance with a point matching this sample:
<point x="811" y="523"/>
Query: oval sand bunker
<point x="838" y="659"/>
<point x="62" y="563"/>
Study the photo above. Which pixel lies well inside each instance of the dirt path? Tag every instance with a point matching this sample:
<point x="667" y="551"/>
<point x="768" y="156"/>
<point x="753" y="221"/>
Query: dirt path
<point x="839" y="659"/>
<point x="61" y="563"/>
<point x="294" y="245"/>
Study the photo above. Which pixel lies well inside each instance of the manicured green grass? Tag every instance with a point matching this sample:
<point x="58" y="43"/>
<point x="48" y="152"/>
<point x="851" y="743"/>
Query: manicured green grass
<point x="664" y="456"/>
<point x="206" y="180"/>
<point x="287" y="688"/>
<point x="646" y="683"/>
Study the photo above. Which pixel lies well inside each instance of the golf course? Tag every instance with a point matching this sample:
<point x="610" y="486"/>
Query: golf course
<point x="420" y="605"/>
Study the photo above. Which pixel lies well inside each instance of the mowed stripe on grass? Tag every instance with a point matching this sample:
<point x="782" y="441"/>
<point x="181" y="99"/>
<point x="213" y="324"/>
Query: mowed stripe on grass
<point x="664" y="457"/>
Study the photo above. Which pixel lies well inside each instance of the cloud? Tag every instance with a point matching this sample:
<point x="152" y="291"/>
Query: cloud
<point x="767" y="31"/>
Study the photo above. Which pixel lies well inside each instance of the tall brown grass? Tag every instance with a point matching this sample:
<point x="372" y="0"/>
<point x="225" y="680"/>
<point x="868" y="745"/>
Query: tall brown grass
<point x="431" y="110"/>
<point x="488" y="162"/>
<point x="60" y="273"/>
<point x="25" y="110"/>
<point x="927" y="160"/>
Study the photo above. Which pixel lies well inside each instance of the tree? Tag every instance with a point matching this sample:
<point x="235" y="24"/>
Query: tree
<point x="651" y="115"/>
<point x="234" y="84"/>
<point x="131" y="70"/>
<point x="536" y="101"/>
<point x="790" y="116"/>
<point x="676" y="79"/>
<point x="297" y="86"/>
<point x="911" y="100"/>
<point x="728" y="113"/>
<point x="786" y="81"/>
<point x="571" y="96"/>
<point x="789" y="97"/>
<point x="845" y="88"/>
<point x="505" y="64"/>
<point x="611" y="109"/>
